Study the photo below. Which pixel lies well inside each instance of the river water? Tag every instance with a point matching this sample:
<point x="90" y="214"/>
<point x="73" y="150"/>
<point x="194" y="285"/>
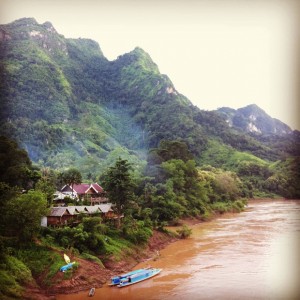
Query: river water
<point x="251" y="255"/>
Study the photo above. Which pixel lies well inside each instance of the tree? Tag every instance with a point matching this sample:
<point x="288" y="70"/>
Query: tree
<point x="190" y="191"/>
<point x="226" y="185"/>
<point x="71" y="177"/>
<point x="7" y="193"/>
<point x="24" y="214"/>
<point x="119" y="185"/>
<point x="47" y="188"/>
<point x="170" y="150"/>
<point x="15" y="164"/>
<point x="46" y="184"/>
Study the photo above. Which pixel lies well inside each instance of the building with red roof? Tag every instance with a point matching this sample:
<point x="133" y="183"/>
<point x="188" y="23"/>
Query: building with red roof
<point x="91" y="192"/>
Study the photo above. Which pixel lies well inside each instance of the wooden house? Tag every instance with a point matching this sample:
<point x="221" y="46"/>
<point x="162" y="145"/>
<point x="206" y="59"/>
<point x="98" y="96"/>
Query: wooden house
<point x="93" y="210"/>
<point x="58" y="199"/>
<point x="76" y="210"/>
<point x="106" y="211"/>
<point x="69" y="215"/>
<point x="85" y="192"/>
<point x="59" y="216"/>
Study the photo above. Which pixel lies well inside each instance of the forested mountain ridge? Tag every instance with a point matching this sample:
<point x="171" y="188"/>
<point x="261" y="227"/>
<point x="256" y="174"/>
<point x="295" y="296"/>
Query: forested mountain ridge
<point x="66" y="104"/>
<point x="253" y="119"/>
<point x="67" y="115"/>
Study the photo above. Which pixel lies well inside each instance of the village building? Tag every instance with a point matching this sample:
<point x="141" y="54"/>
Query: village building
<point x="58" y="198"/>
<point x="93" y="210"/>
<point x="92" y="193"/>
<point x="58" y="216"/>
<point x="107" y="211"/>
<point x="61" y="214"/>
<point x="68" y="215"/>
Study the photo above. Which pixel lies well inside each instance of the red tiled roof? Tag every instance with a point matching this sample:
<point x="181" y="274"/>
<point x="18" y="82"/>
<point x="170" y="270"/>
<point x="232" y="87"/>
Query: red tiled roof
<point x="97" y="187"/>
<point x="84" y="187"/>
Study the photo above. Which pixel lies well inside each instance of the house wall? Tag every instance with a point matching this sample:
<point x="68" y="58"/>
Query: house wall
<point x="53" y="220"/>
<point x="98" y="200"/>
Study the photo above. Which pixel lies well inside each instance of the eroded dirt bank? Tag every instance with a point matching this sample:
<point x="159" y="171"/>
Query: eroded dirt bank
<point x="90" y="274"/>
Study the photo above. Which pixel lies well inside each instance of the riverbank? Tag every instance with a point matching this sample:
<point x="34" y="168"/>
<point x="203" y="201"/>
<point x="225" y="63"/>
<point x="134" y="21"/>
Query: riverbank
<point x="90" y="274"/>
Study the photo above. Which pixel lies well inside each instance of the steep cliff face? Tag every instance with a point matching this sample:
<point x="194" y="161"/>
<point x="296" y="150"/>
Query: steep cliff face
<point x="253" y="119"/>
<point x="66" y="103"/>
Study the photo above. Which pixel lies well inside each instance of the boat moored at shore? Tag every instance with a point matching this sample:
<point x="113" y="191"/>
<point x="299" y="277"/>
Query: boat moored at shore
<point x="117" y="279"/>
<point x="138" y="277"/>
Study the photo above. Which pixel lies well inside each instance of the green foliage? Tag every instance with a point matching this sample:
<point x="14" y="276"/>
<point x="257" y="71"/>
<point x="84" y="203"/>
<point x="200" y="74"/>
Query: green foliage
<point x="93" y="258"/>
<point x="220" y="207"/>
<point x="178" y="190"/>
<point x="71" y="109"/>
<point x="6" y="194"/>
<point x="72" y="176"/>
<point x="220" y="185"/>
<point x="9" y="288"/>
<point x="13" y="275"/>
<point x="47" y="184"/>
<point x="40" y="260"/>
<point x="285" y="178"/>
<point x="15" y="163"/>
<point x="226" y="186"/>
<point x="169" y="150"/>
<point x="223" y="156"/>
<point x="135" y="231"/>
<point x="18" y="270"/>
<point x="231" y="206"/>
<point x="184" y="232"/>
<point x="119" y="185"/>
<point x="24" y="213"/>
<point x="68" y="106"/>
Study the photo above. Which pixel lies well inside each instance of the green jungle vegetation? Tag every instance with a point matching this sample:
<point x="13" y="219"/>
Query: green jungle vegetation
<point x="66" y="109"/>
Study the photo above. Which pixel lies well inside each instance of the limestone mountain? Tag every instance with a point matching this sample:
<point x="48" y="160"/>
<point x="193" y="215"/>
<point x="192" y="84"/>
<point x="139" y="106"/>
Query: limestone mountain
<point x="66" y="104"/>
<point x="254" y="120"/>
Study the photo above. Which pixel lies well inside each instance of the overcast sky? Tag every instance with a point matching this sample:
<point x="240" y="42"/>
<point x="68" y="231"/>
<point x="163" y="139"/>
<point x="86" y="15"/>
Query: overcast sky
<point x="216" y="52"/>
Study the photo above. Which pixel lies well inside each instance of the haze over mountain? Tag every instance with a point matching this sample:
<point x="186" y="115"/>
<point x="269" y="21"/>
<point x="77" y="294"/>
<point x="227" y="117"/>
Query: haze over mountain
<point x="159" y="158"/>
<point x="253" y="119"/>
<point x="66" y="104"/>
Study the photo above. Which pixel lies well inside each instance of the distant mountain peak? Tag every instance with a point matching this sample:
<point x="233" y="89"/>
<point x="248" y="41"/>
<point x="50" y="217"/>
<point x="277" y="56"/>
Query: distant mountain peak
<point x="140" y="58"/>
<point x="253" y="119"/>
<point x="25" y="21"/>
<point x="49" y="27"/>
<point x="44" y="35"/>
<point x="252" y="110"/>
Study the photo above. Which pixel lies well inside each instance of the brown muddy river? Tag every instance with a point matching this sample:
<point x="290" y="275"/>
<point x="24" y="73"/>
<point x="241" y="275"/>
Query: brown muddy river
<point x="251" y="255"/>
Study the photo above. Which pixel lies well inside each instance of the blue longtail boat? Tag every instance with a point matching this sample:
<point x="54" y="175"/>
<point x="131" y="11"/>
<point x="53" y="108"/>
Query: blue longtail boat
<point x="138" y="277"/>
<point x="67" y="267"/>
<point x="117" y="279"/>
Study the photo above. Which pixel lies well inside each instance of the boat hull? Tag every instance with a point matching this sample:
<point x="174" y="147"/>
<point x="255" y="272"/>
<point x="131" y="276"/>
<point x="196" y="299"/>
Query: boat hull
<point x="92" y="292"/>
<point x="139" y="277"/>
<point x="117" y="279"/>
<point x="67" y="267"/>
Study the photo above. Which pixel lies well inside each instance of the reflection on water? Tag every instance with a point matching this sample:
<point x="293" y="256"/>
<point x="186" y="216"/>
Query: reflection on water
<point x="251" y="255"/>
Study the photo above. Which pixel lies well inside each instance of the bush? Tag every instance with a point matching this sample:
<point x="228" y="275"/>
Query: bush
<point x="9" y="288"/>
<point x="13" y="274"/>
<point x="38" y="259"/>
<point x="18" y="270"/>
<point x="220" y="207"/>
<point x="69" y="273"/>
<point x="92" y="258"/>
<point x="184" y="232"/>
